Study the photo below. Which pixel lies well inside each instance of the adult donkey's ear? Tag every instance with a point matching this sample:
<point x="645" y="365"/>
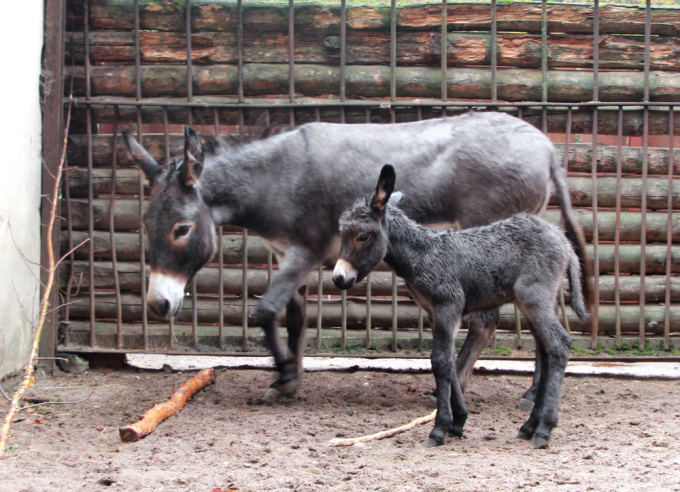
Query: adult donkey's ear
<point x="190" y="171"/>
<point x="148" y="164"/>
<point x="384" y="188"/>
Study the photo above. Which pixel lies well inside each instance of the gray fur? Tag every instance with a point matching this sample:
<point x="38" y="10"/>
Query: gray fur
<point x="521" y="259"/>
<point x="291" y="188"/>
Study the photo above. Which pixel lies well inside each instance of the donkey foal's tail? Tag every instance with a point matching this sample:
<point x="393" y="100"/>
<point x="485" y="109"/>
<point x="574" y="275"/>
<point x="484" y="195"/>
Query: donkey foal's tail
<point x="578" y="303"/>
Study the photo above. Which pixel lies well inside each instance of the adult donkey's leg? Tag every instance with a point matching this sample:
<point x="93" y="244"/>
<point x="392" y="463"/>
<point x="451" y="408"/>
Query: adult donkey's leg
<point x="297" y="263"/>
<point x="296" y="324"/>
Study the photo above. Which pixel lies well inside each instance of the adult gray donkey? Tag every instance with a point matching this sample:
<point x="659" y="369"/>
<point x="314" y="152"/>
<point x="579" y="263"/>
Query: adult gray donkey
<point x="291" y="188"/>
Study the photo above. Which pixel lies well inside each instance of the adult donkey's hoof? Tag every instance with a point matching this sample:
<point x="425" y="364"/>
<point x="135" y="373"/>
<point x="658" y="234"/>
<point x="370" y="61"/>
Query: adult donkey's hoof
<point x="525" y="405"/>
<point x="282" y="390"/>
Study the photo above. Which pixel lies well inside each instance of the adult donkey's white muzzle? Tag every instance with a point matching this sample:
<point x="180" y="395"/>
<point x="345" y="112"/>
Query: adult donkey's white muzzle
<point x="165" y="294"/>
<point x="344" y="274"/>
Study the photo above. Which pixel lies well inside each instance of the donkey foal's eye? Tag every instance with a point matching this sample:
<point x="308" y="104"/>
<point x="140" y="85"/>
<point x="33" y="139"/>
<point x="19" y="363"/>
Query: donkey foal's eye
<point x="363" y="237"/>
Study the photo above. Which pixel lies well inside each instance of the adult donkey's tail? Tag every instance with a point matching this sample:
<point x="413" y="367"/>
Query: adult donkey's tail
<point x="573" y="231"/>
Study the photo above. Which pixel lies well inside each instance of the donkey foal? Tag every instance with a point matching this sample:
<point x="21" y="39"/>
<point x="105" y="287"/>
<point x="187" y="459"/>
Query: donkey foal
<point x="521" y="259"/>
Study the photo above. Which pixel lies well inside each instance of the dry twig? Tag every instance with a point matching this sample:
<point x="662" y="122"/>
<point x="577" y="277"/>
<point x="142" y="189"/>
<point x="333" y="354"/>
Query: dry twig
<point x="47" y="292"/>
<point x="351" y="441"/>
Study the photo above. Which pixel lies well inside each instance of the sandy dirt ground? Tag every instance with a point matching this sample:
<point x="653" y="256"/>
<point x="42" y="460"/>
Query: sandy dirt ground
<point x="613" y="435"/>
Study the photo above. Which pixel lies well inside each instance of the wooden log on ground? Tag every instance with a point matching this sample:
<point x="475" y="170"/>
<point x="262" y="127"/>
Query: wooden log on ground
<point x="381" y="311"/>
<point x="369" y="81"/>
<point x="358" y="111"/>
<point x="373" y="48"/>
<point x="162" y="411"/>
<point x="524" y="17"/>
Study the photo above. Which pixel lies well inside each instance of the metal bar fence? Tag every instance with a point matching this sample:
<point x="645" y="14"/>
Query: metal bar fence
<point x="230" y="332"/>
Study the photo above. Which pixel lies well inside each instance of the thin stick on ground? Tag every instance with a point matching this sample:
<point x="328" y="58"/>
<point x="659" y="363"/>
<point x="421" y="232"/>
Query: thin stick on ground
<point x="162" y="411"/>
<point x="351" y="441"/>
<point x="47" y="292"/>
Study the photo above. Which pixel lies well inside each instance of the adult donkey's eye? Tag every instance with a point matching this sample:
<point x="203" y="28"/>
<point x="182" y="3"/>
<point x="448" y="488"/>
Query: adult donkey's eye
<point x="181" y="230"/>
<point x="362" y="237"/>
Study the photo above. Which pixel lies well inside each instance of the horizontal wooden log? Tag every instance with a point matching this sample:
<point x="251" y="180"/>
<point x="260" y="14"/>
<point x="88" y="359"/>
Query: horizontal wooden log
<point x="221" y="15"/>
<point x="126" y="219"/>
<point x="207" y="282"/>
<point x="127" y="249"/>
<point x="580" y="188"/>
<point x="580" y="155"/>
<point x="359" y="111"/>
<point x="381" y="314"/>
<point x="373" y="48"/>
<point x="369" y="81"/>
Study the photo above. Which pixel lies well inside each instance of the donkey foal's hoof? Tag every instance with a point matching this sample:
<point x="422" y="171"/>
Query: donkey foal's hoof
<point x="525" y="436"/>
<point x="431" y="443"/>
<point x="541" y="442"/>
<point x="525" y="405"/>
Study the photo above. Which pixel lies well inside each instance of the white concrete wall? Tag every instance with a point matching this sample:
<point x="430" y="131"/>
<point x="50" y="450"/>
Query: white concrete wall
<point x="21" y="35"/>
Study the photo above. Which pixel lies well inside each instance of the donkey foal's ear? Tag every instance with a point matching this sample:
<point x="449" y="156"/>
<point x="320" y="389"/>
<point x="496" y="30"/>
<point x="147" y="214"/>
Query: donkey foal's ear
<point x="193" y="158"/>
<point x="384" y="188"/>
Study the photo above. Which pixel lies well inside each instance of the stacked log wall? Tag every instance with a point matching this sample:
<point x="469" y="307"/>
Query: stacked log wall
<point x="367" y="77"/>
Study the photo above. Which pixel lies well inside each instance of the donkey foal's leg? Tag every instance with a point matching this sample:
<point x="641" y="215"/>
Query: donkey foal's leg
<point x="481" y="328"/>
<point x="555" y="344"/>
<point x="451" y="411"/>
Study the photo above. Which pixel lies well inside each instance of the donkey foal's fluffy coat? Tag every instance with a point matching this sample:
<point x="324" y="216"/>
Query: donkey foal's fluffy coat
<point x="521" y="259"/>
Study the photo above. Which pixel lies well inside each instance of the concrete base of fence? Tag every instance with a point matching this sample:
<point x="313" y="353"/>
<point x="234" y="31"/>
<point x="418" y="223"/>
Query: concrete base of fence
<point x="642" y="370"/>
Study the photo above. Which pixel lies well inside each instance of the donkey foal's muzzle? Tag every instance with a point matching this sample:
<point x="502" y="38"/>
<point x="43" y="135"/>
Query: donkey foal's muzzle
<point x="344" y="274"/>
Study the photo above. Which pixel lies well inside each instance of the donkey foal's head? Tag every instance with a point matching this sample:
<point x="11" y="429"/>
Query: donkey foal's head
<point x="363" y="233"/>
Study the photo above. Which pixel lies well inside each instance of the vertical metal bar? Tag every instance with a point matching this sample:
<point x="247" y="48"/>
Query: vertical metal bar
<point x="190" y="84"/>
<point x="617" y="231"/>
<point x="594" y="181"/>
<point x="368" y="311"/>
<point x="395" y="319"/>
<point x="565" y="166"/>
<point x="369" y="277"/>
<point x="90" y="191"/>
<point x="393" y="50"/>
<point x="244" y="284"/>
<point x="220" y="260"/>
<point x="190" y="96"/>
<point x="544" y="62"/>
<point x="166" y="145"/>
<point x="239" y="41"/>
<point x="669" y="232"/>
<point x="291" y="60"/>
<point x="494" y="52"/>
<point x="343" y="49"/>
<point x="319" y="308"/>
<point x="343" y="320"/>
<point x="142" y="258"/>
<point x="112" y="233"/>
<point x="645" y="162"/>
<point x="444" y="48"/>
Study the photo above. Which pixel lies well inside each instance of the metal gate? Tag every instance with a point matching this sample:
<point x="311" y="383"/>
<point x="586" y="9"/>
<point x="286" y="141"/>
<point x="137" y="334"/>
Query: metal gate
<point x="602" y="81"/>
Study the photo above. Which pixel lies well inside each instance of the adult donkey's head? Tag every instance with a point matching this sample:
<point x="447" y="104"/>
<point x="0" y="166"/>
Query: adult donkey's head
<point x="178" y="223"/>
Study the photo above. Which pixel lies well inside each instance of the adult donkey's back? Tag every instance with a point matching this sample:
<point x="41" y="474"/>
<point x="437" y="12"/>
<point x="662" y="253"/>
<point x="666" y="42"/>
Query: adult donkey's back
<point x="291" y="188"/>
